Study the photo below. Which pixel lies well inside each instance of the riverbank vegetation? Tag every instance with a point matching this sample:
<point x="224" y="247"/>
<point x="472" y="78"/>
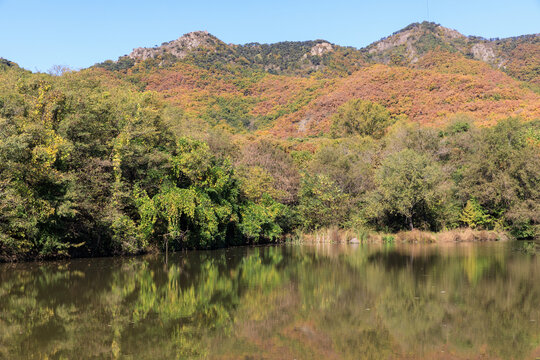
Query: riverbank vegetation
<point x="91" y="166"/>
<point x="362" y="236"/>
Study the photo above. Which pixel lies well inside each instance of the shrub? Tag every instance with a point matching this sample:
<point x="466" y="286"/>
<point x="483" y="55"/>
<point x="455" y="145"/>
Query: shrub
<point x="361" y="117"/>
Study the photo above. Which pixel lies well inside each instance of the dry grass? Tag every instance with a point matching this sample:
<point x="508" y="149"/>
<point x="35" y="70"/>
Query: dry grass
<point x="470" y="235"/>
<point x="342" y="236"/>
<point x="333" y="235"/>
<point x="416" y="236"/>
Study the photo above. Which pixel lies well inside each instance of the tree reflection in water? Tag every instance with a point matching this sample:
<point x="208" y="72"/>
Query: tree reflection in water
<point x="301" y="302"/>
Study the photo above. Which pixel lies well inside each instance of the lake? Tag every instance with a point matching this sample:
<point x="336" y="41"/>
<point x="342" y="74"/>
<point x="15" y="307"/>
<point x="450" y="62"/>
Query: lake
<point x="465" y="301"/>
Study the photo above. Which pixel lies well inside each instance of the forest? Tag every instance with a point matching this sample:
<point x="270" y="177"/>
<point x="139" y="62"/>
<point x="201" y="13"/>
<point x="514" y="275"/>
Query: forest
<point x="92" y="166"/>
<point x="199" y="144"/>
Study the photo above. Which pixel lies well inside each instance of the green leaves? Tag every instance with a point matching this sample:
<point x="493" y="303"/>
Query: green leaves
<point x="502" y="175"/>
<point x="361" y="117"/>
<point x="193" y="160"/>
<point x="322" y="202"/>
<point x="407" y="185"/>
<point x="474" y="216"/>
<point x="259" y="221"/>
<point x="199" y="204"/>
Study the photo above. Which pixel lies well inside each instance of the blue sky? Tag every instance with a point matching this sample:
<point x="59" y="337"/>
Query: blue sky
<point x="38" y="34"/>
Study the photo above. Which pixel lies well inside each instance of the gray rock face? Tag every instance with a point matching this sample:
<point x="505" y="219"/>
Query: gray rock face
<point x="483" y="52"/>
<point x="401" y="38"/>
<point x="405" y="39"/>
<point x="321" y="49"/>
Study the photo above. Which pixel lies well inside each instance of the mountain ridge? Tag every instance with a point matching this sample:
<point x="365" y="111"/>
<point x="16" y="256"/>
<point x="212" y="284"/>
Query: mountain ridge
<point x="404" y="47"/>
<point x="425" y="73"/>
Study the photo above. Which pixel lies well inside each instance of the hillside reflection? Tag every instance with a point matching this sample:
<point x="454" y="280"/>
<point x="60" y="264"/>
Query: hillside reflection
<point x="284" y="302"/>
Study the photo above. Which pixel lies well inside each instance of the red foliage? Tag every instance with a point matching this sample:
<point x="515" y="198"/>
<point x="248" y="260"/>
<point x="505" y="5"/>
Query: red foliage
<point x="425" y="96"/>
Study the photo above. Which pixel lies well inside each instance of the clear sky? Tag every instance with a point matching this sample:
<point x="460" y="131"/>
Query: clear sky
<point x="38" y="34"/>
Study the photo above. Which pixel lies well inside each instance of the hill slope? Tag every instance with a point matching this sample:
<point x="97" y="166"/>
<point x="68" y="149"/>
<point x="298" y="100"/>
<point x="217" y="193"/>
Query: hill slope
<point x="426" y="96"/>
<point x="192" y="145"/>
<point x="518" y="56"/>
<point x="424" y="72"/>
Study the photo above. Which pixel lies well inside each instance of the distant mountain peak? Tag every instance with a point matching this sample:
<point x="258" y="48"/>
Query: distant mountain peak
<point x="179" y="47"/>
<point x="517" y="56"/>
<point x="431" y="27"/>
<point x="415" y="39"/>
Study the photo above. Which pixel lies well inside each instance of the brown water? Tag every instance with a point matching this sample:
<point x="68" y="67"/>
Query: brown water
<point x="283" y="302"/>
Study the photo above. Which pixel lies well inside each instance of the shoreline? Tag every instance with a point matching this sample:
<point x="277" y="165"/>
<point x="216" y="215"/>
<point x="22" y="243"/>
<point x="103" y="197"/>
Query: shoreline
<point x="326" y="236"/>
<point x="348" y="236"/>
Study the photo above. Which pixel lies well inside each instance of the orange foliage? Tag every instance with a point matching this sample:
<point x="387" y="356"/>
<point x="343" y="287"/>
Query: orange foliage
<point x="524" y="62"/>
<point x="439" y="85"/>
<point x="189" y="86"/>
<point x="425" y="96"/>
<point x="278" y="91"/>
<point x="451" y="63"/>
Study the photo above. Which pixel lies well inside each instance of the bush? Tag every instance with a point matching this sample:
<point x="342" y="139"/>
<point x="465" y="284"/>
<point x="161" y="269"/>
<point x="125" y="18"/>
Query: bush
<point x="408" y="187"/>
<point x="322" y="203"/>
<point x="361" y="117"/>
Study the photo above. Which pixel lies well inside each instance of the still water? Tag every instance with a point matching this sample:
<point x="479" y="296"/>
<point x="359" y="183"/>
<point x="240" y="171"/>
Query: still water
<point x="464" y="301"/>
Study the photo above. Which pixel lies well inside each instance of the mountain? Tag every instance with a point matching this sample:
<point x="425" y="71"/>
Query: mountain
<point x="207" y="51"/>
<point x="206" y="144"/>
<point x="425" y="73"/>
<point x="407" y="45"/>
<point x="518" y="56"/>
<point x="181" y="47"/>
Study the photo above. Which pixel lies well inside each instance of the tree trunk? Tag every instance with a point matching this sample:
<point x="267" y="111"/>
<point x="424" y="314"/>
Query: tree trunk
<point x="411" y="226"/>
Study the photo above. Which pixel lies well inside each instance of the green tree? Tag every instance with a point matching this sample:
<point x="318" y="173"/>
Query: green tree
<point x="361" y="117"/>
<point x="502" y="172"/>
<point x="260" y="220"/>
<point x="322" y="202"/>
<point x="349" y="163"/>
<point x="408" y="186"/>
<point x="474" y="215"/>
<point x="200" y="204"/>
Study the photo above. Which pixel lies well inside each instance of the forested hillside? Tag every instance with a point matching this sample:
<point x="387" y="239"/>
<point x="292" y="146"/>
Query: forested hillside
<point x="201" y="144"/>
<point x="425" y="73"/>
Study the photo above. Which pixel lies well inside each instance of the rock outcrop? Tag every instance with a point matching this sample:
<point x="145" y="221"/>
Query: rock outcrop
<point x="179" y="48"/>
<point x="321" y="49"/>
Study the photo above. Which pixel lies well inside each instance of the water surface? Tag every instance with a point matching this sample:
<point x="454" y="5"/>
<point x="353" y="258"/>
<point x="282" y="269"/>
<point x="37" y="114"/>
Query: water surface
<point x="464" y="301"/>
